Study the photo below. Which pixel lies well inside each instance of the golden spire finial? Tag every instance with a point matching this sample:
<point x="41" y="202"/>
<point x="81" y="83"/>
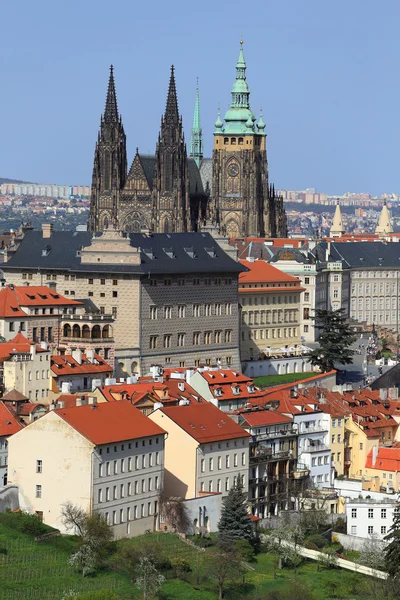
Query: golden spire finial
<point x="241" y="40"/>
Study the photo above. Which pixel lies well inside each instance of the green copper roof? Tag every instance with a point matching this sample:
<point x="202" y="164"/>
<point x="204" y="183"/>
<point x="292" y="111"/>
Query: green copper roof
<point x="196" y="141"/>
<point x="239" y="119"/>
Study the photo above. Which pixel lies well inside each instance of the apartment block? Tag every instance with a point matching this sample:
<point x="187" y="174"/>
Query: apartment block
<point x="110" y="458"/>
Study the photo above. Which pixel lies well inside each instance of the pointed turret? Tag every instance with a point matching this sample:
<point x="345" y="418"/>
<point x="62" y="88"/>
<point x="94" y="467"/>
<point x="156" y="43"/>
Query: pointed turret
<point x="110" y="164"/>
<point x="196" y="141"/>
<point x="384" y="225"/>
<point x="171" y="109"/>
<point x="111" y="109"/>
<point x="337" y="228"/>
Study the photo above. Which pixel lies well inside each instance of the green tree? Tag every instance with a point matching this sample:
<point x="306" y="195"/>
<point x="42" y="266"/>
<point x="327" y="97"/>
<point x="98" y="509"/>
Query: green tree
<point x="235" y="523"/>
<point x="392" y="550"/>
<point x="335" y="340"/>
<point x="223" y="566"/>
<point x="84" y="559"/>
<point x="148" y="579"/>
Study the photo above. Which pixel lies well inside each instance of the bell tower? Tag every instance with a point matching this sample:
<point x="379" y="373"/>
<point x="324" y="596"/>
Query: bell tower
<point x="241" y="203"/>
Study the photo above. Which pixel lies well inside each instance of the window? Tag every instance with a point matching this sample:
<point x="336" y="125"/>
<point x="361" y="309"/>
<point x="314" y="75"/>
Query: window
<point x="102" y="282"/>
<point x="370" y="513"/>
<point x="218" y="309"/>
<point x="107" y="494"/>
<point x="153" y="341"/>
<point x="153" y="313"/>
<point x="354" y="530"/>
<point x="130" y="488"/>
<point x="167" y="282"/>
<point x="235" y="460"/>
<point x="243" y="459"/>
<point x="219" y="462"/>
<point x="202" y="465"/>
<point x="218" y="485"/>
<point x="38" y="491"/>
<point x="211" y="464"/>
<point x="354" y="513"/>
<point x="167" y="340"/>
<point x="196" y="338"/>
<point x="202" y="486"/>
<point x="370" y="529"/>
<point x="115" y="282"/>
<point x="314" y="462"/>
<point x="217" y="337"/>
<point x="181" y="339"/>
<point x="227" y="461"/>
<point x="115" y="467"/>
<point x="207" y="337"/>
<point x="114" y="311"/>
<point x="228" y="335"/>
<point x="207" y="308"/>
<point x="167" y="312"/>
<point x="227" y="484"/>
<point x="383" y="530"/>
<point x="333" y="439"/>
<point x="383" y="513"/>
<point x="181" y="311"/>
<point x="114" y="492"/>
<point x="39" y="466"/>
<point x="196" y="310"/>
<point x="228" y="308"/>
<point x="90" y="281"/>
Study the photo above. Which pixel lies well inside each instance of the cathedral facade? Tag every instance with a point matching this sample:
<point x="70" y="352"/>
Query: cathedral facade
<point x="170" y="192"/>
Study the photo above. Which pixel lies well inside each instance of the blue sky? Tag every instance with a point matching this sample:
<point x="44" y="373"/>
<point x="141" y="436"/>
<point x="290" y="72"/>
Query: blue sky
<point x="326" y="74"/>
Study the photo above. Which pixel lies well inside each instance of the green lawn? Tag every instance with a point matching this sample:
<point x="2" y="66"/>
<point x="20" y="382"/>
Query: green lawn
<point x="40" y="571"/>
<point x="270" y="380"/>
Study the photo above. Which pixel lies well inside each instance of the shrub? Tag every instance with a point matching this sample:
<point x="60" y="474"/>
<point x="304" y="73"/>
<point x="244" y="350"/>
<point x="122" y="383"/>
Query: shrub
<point x="318" y="540"/>
<point x="245" y="549"/>
<point x="310" y="545"/>
<point x="180" y="566"/>
<point x="203" y="542"/>
<point x="340" y="525"/>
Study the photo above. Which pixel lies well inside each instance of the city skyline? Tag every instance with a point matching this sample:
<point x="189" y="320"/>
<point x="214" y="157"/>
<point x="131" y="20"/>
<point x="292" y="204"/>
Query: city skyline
<point x="319" y="79"/>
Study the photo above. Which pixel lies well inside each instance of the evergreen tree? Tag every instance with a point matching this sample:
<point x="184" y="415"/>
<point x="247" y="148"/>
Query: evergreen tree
<point x="392" y="550"/>
<point x="235" y="523"/>
<point x="335" y="340"/>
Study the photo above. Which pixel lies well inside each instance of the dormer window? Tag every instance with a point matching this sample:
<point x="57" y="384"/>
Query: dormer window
<point x="236" y="389"/>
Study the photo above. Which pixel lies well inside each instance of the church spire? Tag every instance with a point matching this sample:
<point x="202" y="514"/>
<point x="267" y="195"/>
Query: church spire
<point x="337" y="228"/>
<point x="171" y="110"/>
<point x="196" y="142"/>
<point x="111" y="109"/>
<point x="384" y="225"/>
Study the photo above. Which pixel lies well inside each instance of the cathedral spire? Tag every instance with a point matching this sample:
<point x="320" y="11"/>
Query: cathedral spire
<point x="337" y="229"/>
<point x="171" y="109"/>
<point x="196" y="142"/>
<point x="111" y="109"/>
<point x="384" y="225"/>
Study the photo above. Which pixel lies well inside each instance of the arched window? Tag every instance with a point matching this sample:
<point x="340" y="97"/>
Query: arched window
<point x="67" y="330"/>
<point x="96" y="333"/>
<point x="86" y="332"/>
<point x="240" y="141"/>
<point x="76" y="331"/>
<point x="226" y="140"/>
<point x="233" y="141"/>
<point x="134" y="367"/>
<point x="106" y="331"/>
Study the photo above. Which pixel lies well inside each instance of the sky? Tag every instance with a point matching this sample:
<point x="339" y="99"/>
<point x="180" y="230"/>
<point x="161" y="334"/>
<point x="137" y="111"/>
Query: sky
<point x="326" y="74"/>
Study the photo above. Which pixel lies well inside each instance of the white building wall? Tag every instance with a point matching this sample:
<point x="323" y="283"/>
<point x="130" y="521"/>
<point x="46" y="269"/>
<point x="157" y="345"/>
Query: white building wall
<point x="369" y="519"/>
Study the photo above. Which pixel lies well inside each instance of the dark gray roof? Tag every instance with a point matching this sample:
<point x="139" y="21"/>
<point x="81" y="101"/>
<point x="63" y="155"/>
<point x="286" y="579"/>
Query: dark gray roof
<point x="195" y="183"/>
<point x="387" y="380"/>
<point x="362" y="255"/>
<point x="89" y="305"/>
<point x="161" y="253"/>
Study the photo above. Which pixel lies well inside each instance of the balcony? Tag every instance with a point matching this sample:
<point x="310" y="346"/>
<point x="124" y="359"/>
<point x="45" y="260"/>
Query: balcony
<point x="275" y="435"/>
<point x="267" y="454"/>
<point x="315" y="448"/>
<point x="316" y="429"/>
<point x="300" y="471"/>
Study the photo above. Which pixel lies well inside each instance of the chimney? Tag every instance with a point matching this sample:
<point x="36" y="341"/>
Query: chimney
<point x="92" y="400"/>
<point x="79" y="401"/>
<point x="47" y="230"/>
<point x="374" y="454"/>
<point x="77" y="355"/>
<point x="52" y="285"/>
<point x="90" y="355"/>
<point x="383" y="394"/>
<point x="60" y="404"/>
<point x="33" y="350"/>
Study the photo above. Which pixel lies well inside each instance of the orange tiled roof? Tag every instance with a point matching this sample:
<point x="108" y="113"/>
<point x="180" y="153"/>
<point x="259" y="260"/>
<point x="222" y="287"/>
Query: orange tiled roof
<point x="204" y="422"/>
<point x="388" y="459"/>
<point x="264" y="417"/>
<point x="12" y="298"/>
<point x="18" y="344"/>
<point x="67" y="365"/>
<point x="109" y="422"/>
<point x="263" y="272"/>
<point x="8" y="422"/>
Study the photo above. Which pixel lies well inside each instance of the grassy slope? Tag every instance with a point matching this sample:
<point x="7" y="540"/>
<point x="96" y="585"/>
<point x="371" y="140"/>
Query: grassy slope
<point x="270" y="380"/>
<point x="40" y="570"/>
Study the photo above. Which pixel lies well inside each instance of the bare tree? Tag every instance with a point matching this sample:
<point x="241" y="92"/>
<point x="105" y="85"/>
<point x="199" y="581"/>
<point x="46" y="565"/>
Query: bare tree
<point x="223" y="566"/>
<point x="174" y="511"/>
<point x="73" y="517"/>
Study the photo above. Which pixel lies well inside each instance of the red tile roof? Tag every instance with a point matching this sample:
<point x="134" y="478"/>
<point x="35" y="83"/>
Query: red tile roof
<point x="225" y="376"/>
<point x="388" y="459"/>
<point x="264" y="417"/>
<point x="66" y="365"/>
<point x="9" y="424"/>
<point x="109" y="422"/>
<point x="18" y="344"/>
<point x="263" y="272"/>
<point x="204" y="422"/>
<point x="12" y="298"/>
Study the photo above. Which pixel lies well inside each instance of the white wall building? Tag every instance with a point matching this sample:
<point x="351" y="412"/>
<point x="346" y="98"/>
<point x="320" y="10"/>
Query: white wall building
<point x="313" y="446"/>
<point x="370" y="519"/>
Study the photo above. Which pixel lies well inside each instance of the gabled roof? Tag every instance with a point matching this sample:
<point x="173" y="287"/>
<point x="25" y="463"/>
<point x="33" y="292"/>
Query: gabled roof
<point x="204" y="422"/>
<point x="67" y="365"/>
<point x="14" y="396"/>
<point x="18" y="344"/>
<point x="9" y="424"/>
<point x="109" y="422"/>
<point x="13" y="297"/>
<point x="263" y="272"/>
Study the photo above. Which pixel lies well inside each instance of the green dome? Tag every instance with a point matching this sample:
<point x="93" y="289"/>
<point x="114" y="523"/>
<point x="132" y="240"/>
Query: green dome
<point x="261" y="124"/>
<point x="240" y="86"/>
<point x="218" y="123"/>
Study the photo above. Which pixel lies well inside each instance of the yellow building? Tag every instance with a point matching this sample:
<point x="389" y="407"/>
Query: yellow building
<point x="270" y="301"/>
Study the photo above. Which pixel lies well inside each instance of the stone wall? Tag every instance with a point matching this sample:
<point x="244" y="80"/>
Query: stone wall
<point x="9" y="498"/>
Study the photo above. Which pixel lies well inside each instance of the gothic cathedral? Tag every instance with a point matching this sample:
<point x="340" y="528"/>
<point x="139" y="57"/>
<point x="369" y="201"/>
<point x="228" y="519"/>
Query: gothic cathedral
<point x="170" y="192"/>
